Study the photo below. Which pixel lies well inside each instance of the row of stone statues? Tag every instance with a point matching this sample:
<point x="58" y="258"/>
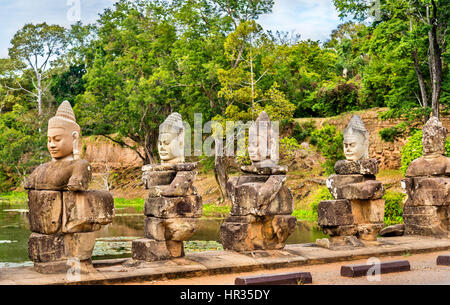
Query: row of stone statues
<point x="64" y="215"/>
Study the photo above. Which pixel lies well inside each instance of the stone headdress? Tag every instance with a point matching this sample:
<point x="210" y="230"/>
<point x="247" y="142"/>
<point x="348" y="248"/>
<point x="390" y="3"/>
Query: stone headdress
<point x="64" y="118"/>
<point x="172" y="124"/>
<point x="356" y="125"/>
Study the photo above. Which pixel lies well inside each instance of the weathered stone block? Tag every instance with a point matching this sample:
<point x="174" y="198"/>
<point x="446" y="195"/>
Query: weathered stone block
<point x="180" y="185"/>
<point x="149" y="250"/>
<point x="45" y="211"/>
<point x="343" y="230"/>
<point x="277" y="170"/>
<point x="361" y="167"/>
<point x="152" y="178"/>
<point x="335" y="213"/>
<point x="426" y="191"/>
<point x="283" y="227"/>
<point x="368" y="211"/>
<point x="173" y="207"/>
<point x="426" y="220"/>
<point x="266" y="232"/>
<point x="429" y="166"/>
<point x="335" y="182"/>
<point x="46" y="248"/>
<point x="371" y="189"/>
<point x="86" y="211"/>
<point x="433" y="139"/>
<point x="247" y="200"/>
<point x="176" y="248"/>
<point x="79" y="245"/>
<point x="369" y="232"/>
<point x="154" y="228"/>
<point x="394" y="230"/>
<point x="180" y="229"/>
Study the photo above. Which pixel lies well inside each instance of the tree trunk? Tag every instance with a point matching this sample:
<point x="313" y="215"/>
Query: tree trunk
<point x="423" y="91"/>
<point x="435" y="61"/>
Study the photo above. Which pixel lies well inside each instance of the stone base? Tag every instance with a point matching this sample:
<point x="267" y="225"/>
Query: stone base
<point x="426" y="220"/>
<point x="149" y="250"/>
<point x="72" y="267"/>
<point x="248" y="233"/>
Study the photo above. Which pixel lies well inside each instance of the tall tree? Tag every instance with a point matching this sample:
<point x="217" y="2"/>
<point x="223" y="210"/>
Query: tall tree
<point x="36" y="46"/>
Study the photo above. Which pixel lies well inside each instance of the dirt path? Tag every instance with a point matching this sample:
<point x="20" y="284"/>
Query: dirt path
<point x="423" y="271"/>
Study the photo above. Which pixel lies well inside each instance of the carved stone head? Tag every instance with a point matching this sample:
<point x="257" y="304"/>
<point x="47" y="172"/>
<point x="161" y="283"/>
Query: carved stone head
<point x="171" y="139"/>
<point x="356" y="140"/>
<point x="433" y="139"/>
<point x="63" y="134"/>
<point x="262" y="142"/>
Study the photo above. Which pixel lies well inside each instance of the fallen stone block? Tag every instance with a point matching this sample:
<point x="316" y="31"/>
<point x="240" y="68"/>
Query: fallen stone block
<point x="361" y="167"/>
<point x="383" y="268"/>
<point x="45" y="211"/>
<point x="149" y="250"/>
<point x="173" y="207"/>
<point x="46" y="248"/>
<point x="86" y="211"/>
<point x="335" y="213"/>
<point x="394" y="230"/>
<point x="295" y="278"/>
<point x="443" y="260"/>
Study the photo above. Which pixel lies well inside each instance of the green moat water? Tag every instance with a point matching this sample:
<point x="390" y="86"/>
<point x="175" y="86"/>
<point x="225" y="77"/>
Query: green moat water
<point x="114" y="240"/>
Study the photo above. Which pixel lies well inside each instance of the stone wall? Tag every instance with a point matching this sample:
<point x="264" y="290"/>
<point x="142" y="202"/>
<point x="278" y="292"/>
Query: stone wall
<point x="387" y="153"/>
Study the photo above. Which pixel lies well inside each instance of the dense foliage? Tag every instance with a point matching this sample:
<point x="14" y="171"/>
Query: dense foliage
<point x="143" y="59"/>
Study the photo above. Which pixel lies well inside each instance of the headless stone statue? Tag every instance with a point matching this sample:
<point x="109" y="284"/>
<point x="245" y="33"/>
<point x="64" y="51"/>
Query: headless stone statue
<point x="260" y="216"/>
<point x="63" y="214"/>
<point x="172" y="207"/>
<point x="427" y="185"/>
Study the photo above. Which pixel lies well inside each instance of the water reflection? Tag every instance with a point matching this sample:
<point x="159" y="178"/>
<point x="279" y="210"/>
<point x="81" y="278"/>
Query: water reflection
<point x="113" y="240"/>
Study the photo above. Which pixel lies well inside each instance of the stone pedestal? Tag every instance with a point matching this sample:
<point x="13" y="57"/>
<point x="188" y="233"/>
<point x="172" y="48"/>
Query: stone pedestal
<point x="358" y="209"/>
<point x="172" y="210"/>
<point x="63" y="223"/>
<point x="260" y="216"/>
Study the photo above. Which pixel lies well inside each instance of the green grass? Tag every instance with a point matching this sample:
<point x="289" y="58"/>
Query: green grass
<point x="214" y="211"/>
<point x="308" y="215"/>
<point x="14" y="197"/>
<point x="137" y="203"/>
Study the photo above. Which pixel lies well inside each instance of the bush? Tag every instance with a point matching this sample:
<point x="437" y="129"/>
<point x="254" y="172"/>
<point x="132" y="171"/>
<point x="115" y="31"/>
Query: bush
<point x="206" y="164"/>
<point x="413" y="150"/>
<point x="329" y="142"/>
<point x="311" y="214"/>
<point x="390" y="134"/>
<point x="303" y="131"/>
<point x="393" y="208"/>
<point x="288" y="146"/>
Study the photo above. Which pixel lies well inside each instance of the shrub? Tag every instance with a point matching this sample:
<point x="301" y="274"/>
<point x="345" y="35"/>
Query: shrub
<point x="206" y="164"/>
<point x="288" y="146"/>
<point x="329" y="142"/>
<point x="413" y="150"/>
<point x="393" y="210"/>
<point x="303" y="131"/>
<point x="390" y="134"/>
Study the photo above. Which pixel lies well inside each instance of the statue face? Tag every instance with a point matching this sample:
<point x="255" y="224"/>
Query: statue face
<point x="354" y="146"/>
<point x="257" y="148"/>
<point x="60" y="143"/>
<point x="169" y="147"/>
